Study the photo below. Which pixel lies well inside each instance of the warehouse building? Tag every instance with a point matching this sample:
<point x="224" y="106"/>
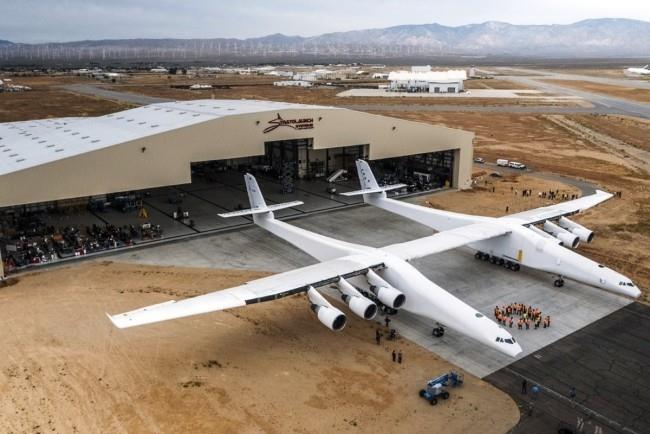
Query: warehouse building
<point x="422" y="80"/>
<point x="177" y="165"/>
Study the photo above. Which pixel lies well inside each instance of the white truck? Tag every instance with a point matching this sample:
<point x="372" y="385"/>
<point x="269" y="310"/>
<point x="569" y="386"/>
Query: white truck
<point x="502" y="162"/>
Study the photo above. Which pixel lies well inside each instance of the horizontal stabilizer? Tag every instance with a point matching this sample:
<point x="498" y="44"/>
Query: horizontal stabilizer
<point x="261" y="210"/>
<point x="373" y="190"/>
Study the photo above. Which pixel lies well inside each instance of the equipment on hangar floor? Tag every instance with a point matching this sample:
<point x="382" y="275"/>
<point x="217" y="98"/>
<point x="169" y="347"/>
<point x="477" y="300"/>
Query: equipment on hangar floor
<point x="436" y="386"/>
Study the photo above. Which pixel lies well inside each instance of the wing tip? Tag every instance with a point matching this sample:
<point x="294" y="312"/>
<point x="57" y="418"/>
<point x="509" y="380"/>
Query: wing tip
<point x="116" y="322"/>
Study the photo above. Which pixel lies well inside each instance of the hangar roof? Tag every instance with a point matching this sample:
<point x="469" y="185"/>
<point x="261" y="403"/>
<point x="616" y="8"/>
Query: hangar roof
<point x="32" y="143"/>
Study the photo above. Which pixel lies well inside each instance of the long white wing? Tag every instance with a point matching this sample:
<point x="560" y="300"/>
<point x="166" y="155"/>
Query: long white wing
<point x="568" y="208"/>
<point x="447" y="240"/>
<point x="256" y="291"/>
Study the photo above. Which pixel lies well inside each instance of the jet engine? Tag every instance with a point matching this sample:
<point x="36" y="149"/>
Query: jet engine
<point x="327" y="314"/>
<point x="582" y="232"/>
<point x="385" y="293"/>
<point x="357" y="303"/>
<point x="568" y="239"/>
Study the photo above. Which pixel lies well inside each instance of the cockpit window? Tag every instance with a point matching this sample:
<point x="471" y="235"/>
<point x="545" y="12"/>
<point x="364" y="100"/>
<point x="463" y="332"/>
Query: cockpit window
<point x="630" y="284"/>
<point x="601" y="266"/>
<point x="509" y="341"/>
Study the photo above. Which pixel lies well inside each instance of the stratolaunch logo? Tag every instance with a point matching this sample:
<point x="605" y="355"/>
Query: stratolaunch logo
<point x="296" y="124"/>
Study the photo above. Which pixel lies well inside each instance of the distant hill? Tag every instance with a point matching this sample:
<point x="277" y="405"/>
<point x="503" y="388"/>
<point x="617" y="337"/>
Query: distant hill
<point x="608" y="37"/>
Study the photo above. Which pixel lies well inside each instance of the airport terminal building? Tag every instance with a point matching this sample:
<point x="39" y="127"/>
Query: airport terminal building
<point x="188" y="156"/>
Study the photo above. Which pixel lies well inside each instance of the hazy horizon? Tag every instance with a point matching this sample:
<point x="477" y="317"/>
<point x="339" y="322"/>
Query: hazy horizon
<point x="34" y="21"/>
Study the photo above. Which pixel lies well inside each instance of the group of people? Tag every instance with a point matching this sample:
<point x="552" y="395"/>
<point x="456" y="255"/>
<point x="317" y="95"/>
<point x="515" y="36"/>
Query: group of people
<point x="527" y="316"/>
<point x="392" y="335"/>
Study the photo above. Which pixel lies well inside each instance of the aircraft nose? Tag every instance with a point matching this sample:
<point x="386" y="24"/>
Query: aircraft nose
<point x="515" y="349"/>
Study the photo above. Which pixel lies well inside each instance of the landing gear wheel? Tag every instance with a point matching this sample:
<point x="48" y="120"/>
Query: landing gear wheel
<point x="509" y="265"/>
<point x="433" y="401"/>
<point x="478" y="255"/>
<point x="485" y="256"/>
<point x="516" y="267"/>
<point x="438" y="332"/>
<point x="445" y="395"/>
<point x="501" y="261"/>
<point x="559" y="283"/>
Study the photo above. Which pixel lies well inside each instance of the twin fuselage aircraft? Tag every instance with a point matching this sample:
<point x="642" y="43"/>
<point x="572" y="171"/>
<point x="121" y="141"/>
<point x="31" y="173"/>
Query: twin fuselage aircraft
<point x="367" y="278"/>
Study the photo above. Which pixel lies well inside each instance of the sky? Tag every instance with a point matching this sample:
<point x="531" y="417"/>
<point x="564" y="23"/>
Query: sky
<point x="72" y="20"/>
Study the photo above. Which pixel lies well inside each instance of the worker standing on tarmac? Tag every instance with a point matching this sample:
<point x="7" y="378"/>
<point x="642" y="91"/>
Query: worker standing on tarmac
<point x="377" y="336"/>
<point x="394" y="355"/>
<point x="399" y="357"/>
<point x="387" y="321"/>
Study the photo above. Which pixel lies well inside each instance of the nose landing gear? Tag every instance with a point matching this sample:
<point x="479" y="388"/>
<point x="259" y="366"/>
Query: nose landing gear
<point x="559" y="282"/>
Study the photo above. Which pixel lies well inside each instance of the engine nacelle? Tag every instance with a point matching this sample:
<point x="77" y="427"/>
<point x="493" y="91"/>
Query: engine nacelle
<point x="582" y="232"/>
<point x="361" y="306"/>
<point x="568" y="239"/>
<point x="390" y="296"/>
<point x="331" y="317"/>
<point x="385" y="293"/>
<point x="358" y="304"/>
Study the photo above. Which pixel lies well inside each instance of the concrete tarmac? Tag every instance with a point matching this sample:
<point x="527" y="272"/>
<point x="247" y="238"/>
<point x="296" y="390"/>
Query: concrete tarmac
<point x="478" y="283"/>
<point x="607" y="363"/>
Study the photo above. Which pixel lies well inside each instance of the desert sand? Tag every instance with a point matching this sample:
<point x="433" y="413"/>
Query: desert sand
<point x="270" y="367"/>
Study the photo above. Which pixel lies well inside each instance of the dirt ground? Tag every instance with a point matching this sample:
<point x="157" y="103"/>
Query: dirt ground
<point x="631" y="93"/>
<point x="46" y="100"/>
<point x="492" y="83"/>
<point x="621" y="225"/>
<point x="482" y="200"/>
<point x="634" y="131"/>
<point x="270" y="367"/>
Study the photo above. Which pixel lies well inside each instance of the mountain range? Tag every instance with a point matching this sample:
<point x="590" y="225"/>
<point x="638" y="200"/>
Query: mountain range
<point x="607" y="37"/>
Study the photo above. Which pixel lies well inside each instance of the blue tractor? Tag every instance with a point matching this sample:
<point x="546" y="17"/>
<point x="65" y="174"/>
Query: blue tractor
<point x="436" y="387"/>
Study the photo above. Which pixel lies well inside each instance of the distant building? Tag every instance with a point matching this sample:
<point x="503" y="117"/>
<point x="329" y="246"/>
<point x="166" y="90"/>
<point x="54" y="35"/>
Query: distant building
<point x="380" y="75"/>
<point x="293" y="83"/>
<point x="426" y="68"/>
<point x="430" y="81"/>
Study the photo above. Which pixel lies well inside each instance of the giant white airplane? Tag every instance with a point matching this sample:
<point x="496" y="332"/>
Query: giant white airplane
<point x="365" y="277"/>
<point x="512" y="240"/>
<point x="645" y="70"/>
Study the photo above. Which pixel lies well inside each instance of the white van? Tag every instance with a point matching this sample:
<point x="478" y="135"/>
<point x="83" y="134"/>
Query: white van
<point x="502" y="162"/>
<point x="517" y="165"/>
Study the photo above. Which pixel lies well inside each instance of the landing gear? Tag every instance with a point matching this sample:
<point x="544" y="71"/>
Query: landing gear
<point x="559" y="282"/>
<point x="438" y="332"/>
<point x="510" y="265"/>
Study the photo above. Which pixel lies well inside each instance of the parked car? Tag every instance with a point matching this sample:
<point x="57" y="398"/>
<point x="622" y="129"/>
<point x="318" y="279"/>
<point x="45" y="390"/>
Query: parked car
<point x="479" y="160"/>
<point x="502" y="162"/>
<point x="517" y="165"/>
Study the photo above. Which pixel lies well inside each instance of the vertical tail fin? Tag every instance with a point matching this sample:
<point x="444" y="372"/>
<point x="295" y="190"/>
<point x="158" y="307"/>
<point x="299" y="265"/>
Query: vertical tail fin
<point x="366" y="177"/>
<point x="369" y="184"/>
<point x="258" y="204"/>
<point x="254" y="193"/>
